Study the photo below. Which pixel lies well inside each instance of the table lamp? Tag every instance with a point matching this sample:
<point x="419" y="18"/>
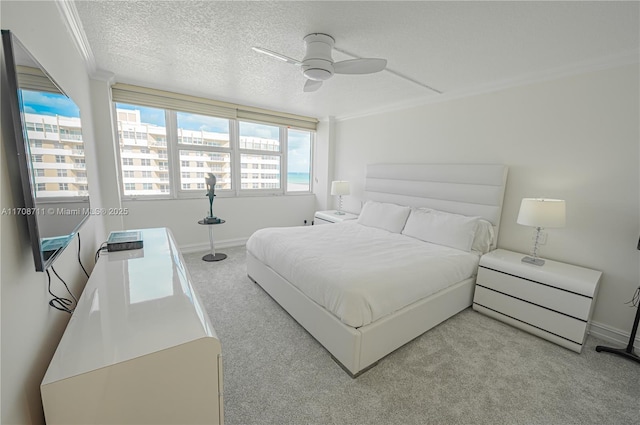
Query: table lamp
<point x="540" y="213"/>
<point x="339" y="188"/>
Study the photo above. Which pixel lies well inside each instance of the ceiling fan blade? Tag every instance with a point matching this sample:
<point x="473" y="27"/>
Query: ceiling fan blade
<point x="312" y="85"/>
<point x="277" y="55"/>
<point x="359" y="66"/>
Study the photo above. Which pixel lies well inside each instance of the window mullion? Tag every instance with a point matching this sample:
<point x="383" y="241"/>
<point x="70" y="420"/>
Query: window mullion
<point x="173" y="159"/>
<point x="284" y="143"/>
<point x="235" y="157"/>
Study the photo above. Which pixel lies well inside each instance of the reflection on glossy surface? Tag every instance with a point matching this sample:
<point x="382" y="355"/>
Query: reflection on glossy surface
<point x="131" y="307"/>
<point x="51" y="167"/>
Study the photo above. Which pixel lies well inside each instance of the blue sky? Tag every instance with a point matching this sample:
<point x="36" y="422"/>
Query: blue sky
<point x="45" y="103"/>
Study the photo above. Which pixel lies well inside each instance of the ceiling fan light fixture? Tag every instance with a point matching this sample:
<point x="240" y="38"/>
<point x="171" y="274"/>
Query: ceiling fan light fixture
<point x="318" y="65"/>
<point x="317" y="74"/>
<point x="317" y="69"/>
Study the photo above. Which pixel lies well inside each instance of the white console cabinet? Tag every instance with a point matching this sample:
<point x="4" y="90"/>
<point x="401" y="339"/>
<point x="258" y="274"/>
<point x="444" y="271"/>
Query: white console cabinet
<point x="139" y="348"/>
<point x="554" y="301"/>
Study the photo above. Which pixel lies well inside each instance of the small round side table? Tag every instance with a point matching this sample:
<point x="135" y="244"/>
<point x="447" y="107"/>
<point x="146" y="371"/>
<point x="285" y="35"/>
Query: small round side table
<point x="212" y="256"/>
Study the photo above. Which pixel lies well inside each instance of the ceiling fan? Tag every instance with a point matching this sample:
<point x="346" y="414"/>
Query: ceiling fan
<point x="318" y="66"/>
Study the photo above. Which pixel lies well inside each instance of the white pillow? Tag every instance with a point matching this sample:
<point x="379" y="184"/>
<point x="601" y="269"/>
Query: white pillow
<point x="385" y="216"/>
<point x="483" y="241"/>
<point x="442" y="228"/>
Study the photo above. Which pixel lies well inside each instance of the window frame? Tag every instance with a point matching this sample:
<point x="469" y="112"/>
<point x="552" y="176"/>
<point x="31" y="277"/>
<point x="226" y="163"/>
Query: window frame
<point x="280" y="153"/>
<point x="174" y="162"/>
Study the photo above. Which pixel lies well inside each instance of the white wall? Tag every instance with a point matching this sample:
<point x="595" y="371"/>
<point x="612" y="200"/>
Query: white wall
<point x="575" y="138"/>
<point x="242" y="216"/>
<point x="31" y="329"/>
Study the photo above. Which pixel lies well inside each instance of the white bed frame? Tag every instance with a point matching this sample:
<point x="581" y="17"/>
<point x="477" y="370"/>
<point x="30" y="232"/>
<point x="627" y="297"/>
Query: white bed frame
<point x="469" y="189"/>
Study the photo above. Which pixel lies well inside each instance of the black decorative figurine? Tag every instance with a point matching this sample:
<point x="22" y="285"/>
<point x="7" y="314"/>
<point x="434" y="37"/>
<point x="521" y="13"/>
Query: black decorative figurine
<point x="211" y="193"/>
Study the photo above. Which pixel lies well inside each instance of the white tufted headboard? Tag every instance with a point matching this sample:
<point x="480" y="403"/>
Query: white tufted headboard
<point x="468" y="189"/>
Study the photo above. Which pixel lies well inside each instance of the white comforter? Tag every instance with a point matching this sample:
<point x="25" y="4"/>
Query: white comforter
<point x="360" y="273"/>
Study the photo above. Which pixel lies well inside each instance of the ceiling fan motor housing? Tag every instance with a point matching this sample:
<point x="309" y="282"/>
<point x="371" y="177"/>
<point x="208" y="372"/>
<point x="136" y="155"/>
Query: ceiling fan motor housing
<point x="317" y="63"/>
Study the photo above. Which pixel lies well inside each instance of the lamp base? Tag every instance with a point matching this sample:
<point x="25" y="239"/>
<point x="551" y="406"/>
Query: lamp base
<point x="535" y="261"/>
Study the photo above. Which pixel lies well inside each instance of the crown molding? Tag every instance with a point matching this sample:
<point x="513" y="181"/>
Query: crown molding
<point x="624" y="58"/>
<point x="71" y="18"/>
<point x="106" y="76"/>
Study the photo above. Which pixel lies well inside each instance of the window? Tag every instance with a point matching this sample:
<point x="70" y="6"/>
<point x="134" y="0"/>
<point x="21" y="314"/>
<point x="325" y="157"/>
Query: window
<point x="259" y="150"/>
<point x="41" y="187"/>
<point x="61" y="159"/>
<point x="39" y="172"/>
<point x="218" y="163"/>
<point x="37" y="158"/>
<point x="63" y="186"/>
<point x="62" y="173"/>
<point x="299" y="160"/>
<point x="204" y="147"/>
<point x="141" y="130"/>
<point x="245" y="156"/>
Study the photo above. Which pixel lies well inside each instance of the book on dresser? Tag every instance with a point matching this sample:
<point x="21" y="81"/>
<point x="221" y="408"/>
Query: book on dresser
<point x="554" y="301"/>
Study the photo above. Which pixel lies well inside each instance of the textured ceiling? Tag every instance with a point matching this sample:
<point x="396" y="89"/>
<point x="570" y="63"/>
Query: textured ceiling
<point x="204" y="48"/>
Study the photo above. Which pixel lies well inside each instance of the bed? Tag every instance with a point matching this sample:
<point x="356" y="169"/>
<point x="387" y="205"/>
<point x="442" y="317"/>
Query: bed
<point x="365" y="287"/>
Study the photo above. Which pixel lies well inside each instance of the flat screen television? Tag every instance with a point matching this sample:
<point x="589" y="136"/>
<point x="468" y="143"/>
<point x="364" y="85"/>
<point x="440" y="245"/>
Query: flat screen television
<point x="42" y="136"/>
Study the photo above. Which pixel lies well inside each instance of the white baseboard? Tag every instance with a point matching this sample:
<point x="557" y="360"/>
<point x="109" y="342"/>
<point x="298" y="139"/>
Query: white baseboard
<point x="227" y="243"/>
<point x="612" y="335"/>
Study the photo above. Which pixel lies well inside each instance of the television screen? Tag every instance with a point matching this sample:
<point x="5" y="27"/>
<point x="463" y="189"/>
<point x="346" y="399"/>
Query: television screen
<point x="42" y="132"/>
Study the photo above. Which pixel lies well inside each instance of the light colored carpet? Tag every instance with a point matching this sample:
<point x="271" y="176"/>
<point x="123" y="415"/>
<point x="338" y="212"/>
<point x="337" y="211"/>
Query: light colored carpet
<point x="471" y="369"/>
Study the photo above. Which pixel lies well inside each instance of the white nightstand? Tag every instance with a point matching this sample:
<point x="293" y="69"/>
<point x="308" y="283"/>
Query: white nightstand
<point x="328" y="217"/>
<point x="554" y="301"/>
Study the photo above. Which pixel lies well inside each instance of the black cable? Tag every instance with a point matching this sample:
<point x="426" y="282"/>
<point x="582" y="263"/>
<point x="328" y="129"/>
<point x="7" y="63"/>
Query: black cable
<point x="635" y="300"/>
<point x="59" y="303"/>
<point x="65" y="284"/>
<point x="102" y="247"/>
<point x="79" y="260"/>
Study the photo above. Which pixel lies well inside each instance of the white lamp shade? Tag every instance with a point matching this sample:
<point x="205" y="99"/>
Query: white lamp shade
<point x="539" y="212"/>
<point x="339" y="187"/>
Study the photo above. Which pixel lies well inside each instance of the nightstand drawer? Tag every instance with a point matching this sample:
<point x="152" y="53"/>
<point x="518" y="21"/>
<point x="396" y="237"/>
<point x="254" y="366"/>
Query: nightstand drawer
<point x="531" y="314"/>
<point x="559" y="300"/>
<point x="319" y="220"/>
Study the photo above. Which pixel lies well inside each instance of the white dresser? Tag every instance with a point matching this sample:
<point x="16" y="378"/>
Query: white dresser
<point x="554" y="301"/>
<point x="139" y="348"/>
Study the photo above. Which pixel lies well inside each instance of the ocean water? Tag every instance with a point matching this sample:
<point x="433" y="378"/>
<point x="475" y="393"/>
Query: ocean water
<point x="302" y="178"/>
